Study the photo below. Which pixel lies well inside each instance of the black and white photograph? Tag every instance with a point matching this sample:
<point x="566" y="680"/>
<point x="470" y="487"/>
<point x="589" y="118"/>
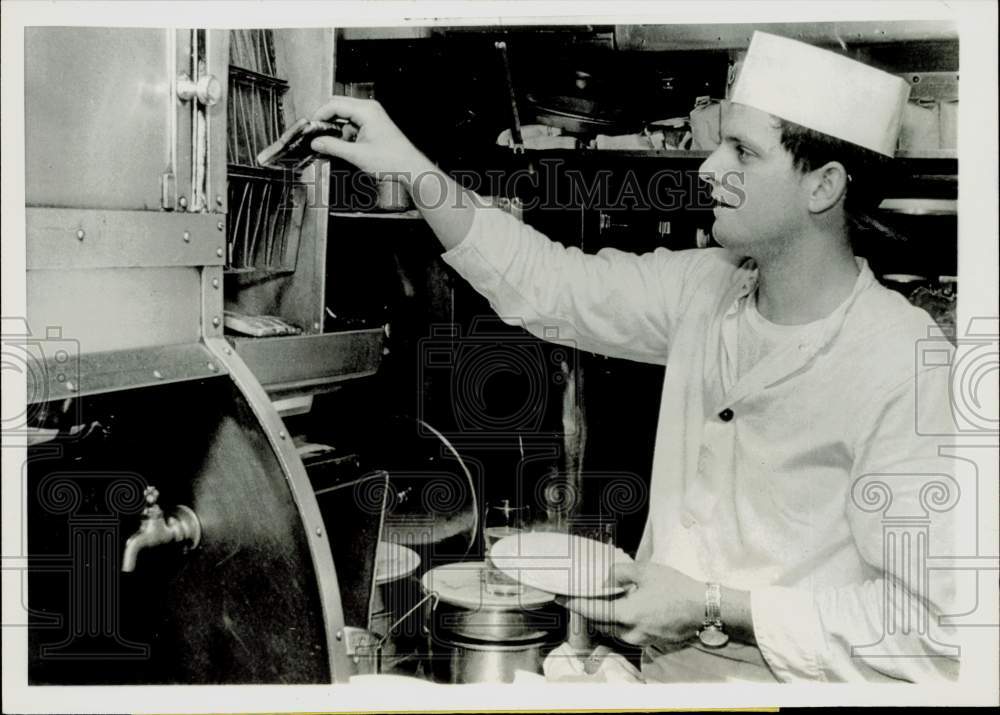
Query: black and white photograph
<point x="451" y="356"/>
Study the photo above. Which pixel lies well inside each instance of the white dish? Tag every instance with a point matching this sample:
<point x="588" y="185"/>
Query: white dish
<point x="394" y="561"/>
<point x="558" y="563"/>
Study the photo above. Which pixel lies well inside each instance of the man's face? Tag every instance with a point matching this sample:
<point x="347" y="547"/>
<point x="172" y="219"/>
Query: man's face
<point x="761" y="199"/>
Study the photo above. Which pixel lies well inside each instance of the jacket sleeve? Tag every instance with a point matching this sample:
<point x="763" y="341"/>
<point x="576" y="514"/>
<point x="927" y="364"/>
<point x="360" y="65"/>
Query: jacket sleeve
<point x="903" y="506"/>
<point x="614" y="303"/>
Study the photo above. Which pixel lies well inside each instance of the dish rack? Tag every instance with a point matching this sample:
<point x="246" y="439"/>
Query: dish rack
<point x="266" y="206"/>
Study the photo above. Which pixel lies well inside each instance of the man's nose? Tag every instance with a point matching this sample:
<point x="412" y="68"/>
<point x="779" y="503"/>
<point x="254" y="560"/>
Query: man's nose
<point x="709" y="169"/>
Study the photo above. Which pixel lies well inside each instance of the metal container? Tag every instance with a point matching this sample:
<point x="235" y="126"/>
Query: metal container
<point x="479" y="637"/>
<point x="458" y="661"/>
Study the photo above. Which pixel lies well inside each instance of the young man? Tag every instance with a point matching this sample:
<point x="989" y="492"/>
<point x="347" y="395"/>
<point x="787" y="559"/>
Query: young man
<point x="790" y="391"/>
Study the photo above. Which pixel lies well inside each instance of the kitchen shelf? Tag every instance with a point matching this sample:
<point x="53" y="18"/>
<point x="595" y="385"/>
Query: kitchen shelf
<point x="311" y="362"/>
<point x="936" y="155"/>
<point x="921" y="207"/>
<point x="941" y="156"/>
<point x="411" y="215"/>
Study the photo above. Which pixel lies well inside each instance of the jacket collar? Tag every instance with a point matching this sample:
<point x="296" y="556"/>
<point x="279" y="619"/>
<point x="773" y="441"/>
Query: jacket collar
<point x="796" y="357"/>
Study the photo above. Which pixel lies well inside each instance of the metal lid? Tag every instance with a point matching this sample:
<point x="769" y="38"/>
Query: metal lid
<point x="461" y="584"/>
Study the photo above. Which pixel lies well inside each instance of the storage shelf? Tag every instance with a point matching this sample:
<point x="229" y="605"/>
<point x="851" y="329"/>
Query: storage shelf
<point x="921" y="207"/>
<point x="679" y="154"/>
<point x="310" y="362"/>
<point x="939" y="154"/>
<point x="411" y="215"/>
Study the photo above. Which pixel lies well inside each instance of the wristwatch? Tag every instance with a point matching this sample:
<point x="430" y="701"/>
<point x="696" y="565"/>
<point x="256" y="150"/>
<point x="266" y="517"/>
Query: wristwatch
<point x="712" y="633"/>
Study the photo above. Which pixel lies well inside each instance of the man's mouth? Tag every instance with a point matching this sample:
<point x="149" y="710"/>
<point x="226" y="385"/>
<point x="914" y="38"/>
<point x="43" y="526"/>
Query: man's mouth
<point x="718" y="203"/>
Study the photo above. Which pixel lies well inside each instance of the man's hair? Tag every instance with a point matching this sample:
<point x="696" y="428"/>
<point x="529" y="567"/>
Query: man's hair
<point x="868" y="171"/>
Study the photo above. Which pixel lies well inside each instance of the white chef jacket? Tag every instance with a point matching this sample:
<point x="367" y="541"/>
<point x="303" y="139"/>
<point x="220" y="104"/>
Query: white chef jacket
<point x="771" y="483"/>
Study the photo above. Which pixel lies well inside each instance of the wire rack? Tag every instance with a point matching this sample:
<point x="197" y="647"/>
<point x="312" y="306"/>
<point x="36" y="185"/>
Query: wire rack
<point x="266" y="206"/>
<point x="266" y="213"/>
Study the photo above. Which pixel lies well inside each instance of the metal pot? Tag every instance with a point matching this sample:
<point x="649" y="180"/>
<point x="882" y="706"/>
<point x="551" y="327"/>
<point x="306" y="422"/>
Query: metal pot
<point x="479" y="637"/>
<point x="456" y="661"/>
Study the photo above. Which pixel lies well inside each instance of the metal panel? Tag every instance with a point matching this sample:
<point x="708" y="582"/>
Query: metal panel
<point x="305" y="499"/>
<point x="86" y="238"/>
<point x="311" y="360"/>
<point x="217" y="57"/>
<point x="211" y="302"/>
<point x="255" y="602"/>
<point x="116" y="308"/>
<point x="942" y="86"/>
<point x="93" y="373"/>
<point x="100" y="111"/>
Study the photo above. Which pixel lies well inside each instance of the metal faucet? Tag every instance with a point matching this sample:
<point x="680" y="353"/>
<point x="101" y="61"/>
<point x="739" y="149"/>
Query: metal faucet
<point x="154" y="530"/>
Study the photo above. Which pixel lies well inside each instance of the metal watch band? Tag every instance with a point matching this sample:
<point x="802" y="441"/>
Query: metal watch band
<point x="713" y="604"/>
<point x="712" y="633"/>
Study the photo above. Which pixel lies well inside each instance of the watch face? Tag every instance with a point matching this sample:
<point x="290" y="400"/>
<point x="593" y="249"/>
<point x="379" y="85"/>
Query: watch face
<point x="713" y="637"/>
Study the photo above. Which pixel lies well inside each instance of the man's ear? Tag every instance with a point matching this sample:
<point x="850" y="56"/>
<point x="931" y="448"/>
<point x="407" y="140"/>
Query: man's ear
<point x="827" y="185"/>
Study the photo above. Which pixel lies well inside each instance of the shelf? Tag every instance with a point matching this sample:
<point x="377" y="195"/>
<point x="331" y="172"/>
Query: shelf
<point x="929" y="154"/>
<point x="921" y="207"/>
<point x="706" y="36"/>
<point x="938" y="155"/>
<point x="309" y="362"/>
<point x="114" y="370"/>
<point x="411" y="215"/>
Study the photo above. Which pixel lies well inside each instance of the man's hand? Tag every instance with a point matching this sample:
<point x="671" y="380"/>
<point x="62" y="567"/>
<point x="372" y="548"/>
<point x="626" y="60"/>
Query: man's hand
<point x="662" y="605"/>
<point x="380" y="148"/>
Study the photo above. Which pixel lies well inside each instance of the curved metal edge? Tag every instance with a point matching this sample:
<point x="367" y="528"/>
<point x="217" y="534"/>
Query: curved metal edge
<point x="305" y="500"/>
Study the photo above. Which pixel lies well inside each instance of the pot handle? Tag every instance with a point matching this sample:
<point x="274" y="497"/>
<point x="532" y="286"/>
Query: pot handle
<point x="432" y="596"/>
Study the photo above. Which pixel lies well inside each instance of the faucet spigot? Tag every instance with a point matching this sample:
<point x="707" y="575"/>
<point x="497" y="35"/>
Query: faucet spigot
<point x="183" y="525"/>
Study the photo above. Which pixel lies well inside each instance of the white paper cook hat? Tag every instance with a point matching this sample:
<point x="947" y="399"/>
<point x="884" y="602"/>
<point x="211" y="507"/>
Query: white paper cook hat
<point x="824" y="91"/>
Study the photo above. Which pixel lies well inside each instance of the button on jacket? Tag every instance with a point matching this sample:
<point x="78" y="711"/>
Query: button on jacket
<point x="775" y="482"/>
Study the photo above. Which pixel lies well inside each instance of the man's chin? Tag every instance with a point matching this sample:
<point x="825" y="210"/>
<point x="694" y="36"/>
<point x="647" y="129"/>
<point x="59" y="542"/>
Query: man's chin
<point x="740" y="246"/>
<point x="723" y="237"/>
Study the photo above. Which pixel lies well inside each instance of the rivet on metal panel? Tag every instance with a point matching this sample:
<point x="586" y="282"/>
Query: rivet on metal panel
<point x="316" y="326"/>
<point x="319" y="532"/>
<point x="157" y="374"/>
<point x="282" y="434"/>
<point x="71" y="386"/>
<point x="215" y="283"/>
<point x="212" y="366"/>
<point x="187" y="236"/>
<point x="219" y="252"/>
<point x="182" y="202"/>
<point x="228" y="351"/>
<point x="80" y="234"/>
<point x="216" y="321"/>
<point x="340" y="635"/>
<point x="221" y="226"/>
<point x="218" y="200"/>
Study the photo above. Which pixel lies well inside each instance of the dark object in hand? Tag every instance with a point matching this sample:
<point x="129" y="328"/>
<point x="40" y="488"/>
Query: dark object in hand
<point x="292" y="150"/>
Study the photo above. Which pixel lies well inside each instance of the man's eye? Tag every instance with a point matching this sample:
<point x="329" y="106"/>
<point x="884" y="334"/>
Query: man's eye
<point x="742" y="152"/>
